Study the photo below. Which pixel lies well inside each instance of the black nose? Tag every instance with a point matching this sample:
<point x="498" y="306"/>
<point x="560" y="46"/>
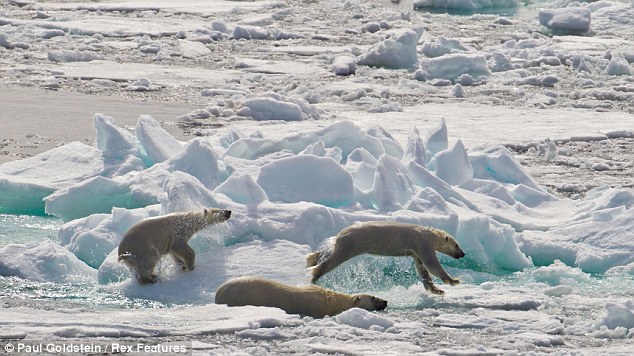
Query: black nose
<point x="461" y="255"/>
<point x="227" y="213"/>
<point x="381" y="305"/>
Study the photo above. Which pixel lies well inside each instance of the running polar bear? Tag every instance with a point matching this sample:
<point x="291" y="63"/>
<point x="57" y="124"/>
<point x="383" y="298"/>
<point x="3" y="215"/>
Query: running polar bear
<point x="148" y="240"/>
<point x="311" y="300"/>
<point x="389" y="239"/>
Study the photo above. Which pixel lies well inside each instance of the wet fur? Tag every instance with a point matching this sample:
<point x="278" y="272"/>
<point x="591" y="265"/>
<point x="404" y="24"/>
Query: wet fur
<point x="310" y="300"/>
<point x="147" y="241"/>
<point x="389" y="239"/>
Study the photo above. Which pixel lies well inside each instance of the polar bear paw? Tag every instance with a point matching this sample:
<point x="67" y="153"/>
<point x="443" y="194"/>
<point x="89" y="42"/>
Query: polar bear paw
<point x="454" y="281"/>
<point x="434" y="290"/>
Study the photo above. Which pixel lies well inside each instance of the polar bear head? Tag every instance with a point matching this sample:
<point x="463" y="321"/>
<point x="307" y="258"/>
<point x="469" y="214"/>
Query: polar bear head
<point x="214" y="216"/>
<point x="448" y="245"/>
<point x="369" y="302"/>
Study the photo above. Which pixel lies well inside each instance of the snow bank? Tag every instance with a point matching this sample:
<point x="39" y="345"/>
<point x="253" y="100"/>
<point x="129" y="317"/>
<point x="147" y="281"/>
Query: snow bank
<point x="309" y="178"/>
<point x="559" y="274"/>
<point x="24" y="183"/>
<point x="130" y="184"/>
<point x="344" y="65"/>
<point x="271" y="109"/>
<point x="157" y="143"/>
<point x="451" y="66"/>
<point x="345" y="135"/>
<point x="399" y="52"/>
<point x="618" y="315"/>
<point x="618" y="66"/>
<point x="242" y="189"/>
<point x="567" y="20"/>
<point x="64" y="55"/>
<point x="44" y="261"/>
<point x="595" y="238"/>
<point x="92" y="196"/>
<point x="442" y="46"/>
<point x="361" y="318"/>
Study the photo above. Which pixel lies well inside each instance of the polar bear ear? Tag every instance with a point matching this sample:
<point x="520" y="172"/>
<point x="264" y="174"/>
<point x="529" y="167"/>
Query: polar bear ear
<point x="357" y="300"/>
<point x="446" y="238"/>
<point x="206" y="211"/>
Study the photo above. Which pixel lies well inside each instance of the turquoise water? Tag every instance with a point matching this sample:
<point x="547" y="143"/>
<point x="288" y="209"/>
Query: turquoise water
<point x="503" y="11"/>
<point x="23" y="229"/>
<point x="525" y="9"/>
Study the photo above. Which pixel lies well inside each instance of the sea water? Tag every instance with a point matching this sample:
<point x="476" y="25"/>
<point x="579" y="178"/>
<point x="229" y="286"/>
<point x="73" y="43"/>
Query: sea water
<point x="26" y="228"/>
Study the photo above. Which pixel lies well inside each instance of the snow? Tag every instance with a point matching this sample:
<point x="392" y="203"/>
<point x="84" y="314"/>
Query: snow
<point x="452" y="66"/>
<point x="193" y="321"/>
<point x="46" y="262"/>
<point x="157" y="143"/>
<point x="310" y="118"/>
<point x="344" y="65"/>
<point x="452" y="165"/>
<point x="570" y="19"/>
<point x="309" y="178"/>
<point x="271" y="109"/>
<point x="393" y="53"/>
<point x="25" y="183"/>
<point x="361" y="318"/>
<point x="618" y="66"/>
<point x="618" y="315"/>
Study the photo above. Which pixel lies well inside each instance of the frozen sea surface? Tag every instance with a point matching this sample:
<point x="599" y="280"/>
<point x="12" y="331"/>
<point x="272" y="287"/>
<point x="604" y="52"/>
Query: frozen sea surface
<point x="511" y="131"/>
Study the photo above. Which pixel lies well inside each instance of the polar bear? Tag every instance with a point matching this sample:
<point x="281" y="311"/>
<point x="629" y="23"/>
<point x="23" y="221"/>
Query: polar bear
<point x="389" y="239"/>
<point x="310" y="300"/>
<point x="148" y="240"/>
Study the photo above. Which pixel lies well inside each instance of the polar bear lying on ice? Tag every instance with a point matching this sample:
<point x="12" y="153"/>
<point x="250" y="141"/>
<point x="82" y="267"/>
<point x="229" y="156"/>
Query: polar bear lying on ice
<point x="310" y="300"/>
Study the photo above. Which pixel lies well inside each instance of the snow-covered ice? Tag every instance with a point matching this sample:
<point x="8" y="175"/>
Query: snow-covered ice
<point x="311" y="117"/>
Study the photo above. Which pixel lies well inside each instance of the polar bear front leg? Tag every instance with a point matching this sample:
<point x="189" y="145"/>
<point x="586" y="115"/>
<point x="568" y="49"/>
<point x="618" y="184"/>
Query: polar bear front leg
<point x="184" y="255"/>
<point x="435" y="268"/>
<point x="426" y="277"/>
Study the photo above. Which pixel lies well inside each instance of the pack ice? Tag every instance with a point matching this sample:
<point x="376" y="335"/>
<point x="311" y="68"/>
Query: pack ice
<point x="290" y="193"/>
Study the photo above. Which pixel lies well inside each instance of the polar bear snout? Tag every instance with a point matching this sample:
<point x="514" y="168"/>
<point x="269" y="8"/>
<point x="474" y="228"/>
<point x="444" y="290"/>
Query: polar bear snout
<point x="214" y="215"/>
<point x="459" y="254"/>
<point x="369" y="302"/>
<point x="379" y="304"/>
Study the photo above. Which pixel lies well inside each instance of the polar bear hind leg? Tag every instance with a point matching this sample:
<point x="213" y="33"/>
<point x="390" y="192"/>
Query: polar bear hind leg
<point x="144" y="271"/>
<point x="313" y="258"/>
<point x="338" y="256"/>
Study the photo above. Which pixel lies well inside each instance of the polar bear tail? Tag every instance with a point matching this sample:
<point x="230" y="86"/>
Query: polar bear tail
<point x="323" y="252"/>
<point x="126" y="258"/>
<point x="313" y="258"/>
